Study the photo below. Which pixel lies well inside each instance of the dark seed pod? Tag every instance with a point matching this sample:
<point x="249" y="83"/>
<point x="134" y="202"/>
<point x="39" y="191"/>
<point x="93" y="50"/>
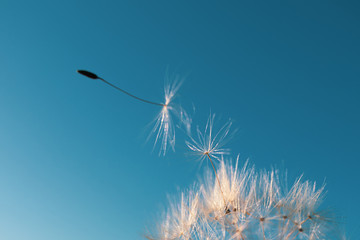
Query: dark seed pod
<point x="88" y="74"/>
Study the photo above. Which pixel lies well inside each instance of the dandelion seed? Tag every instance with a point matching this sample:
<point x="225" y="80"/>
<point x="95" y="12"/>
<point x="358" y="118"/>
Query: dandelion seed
<point x="208" y="143"/>
<point x="210" y="146"/>
<point x="164" y="129"/>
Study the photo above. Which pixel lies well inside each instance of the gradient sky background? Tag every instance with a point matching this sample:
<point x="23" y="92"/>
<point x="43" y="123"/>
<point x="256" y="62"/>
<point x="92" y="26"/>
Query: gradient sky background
<point x="74" y="162"/>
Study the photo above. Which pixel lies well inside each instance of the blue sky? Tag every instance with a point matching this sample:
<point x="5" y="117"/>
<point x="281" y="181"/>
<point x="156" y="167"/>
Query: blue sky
<point x="74" y="162"/>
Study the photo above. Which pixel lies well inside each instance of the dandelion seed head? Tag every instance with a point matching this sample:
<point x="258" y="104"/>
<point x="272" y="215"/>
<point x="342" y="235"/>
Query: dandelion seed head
<point x="254" y="208"/>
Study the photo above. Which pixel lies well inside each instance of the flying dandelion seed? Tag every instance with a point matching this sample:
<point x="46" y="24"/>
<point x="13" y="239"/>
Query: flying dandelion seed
<point x="164" y="128"/>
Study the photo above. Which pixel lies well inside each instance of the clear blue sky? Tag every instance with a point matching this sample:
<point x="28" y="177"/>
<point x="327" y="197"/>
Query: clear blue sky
<point x="74" y="162"/>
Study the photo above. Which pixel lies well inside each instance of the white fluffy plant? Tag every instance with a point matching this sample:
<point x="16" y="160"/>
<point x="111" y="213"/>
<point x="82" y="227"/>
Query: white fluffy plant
<point x="255" y="207"/>
<point x="232" y="202"/>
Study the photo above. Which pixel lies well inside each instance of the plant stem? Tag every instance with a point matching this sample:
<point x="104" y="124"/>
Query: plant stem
<point x="217" y="178"/>
<point x="263" y="229"/>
